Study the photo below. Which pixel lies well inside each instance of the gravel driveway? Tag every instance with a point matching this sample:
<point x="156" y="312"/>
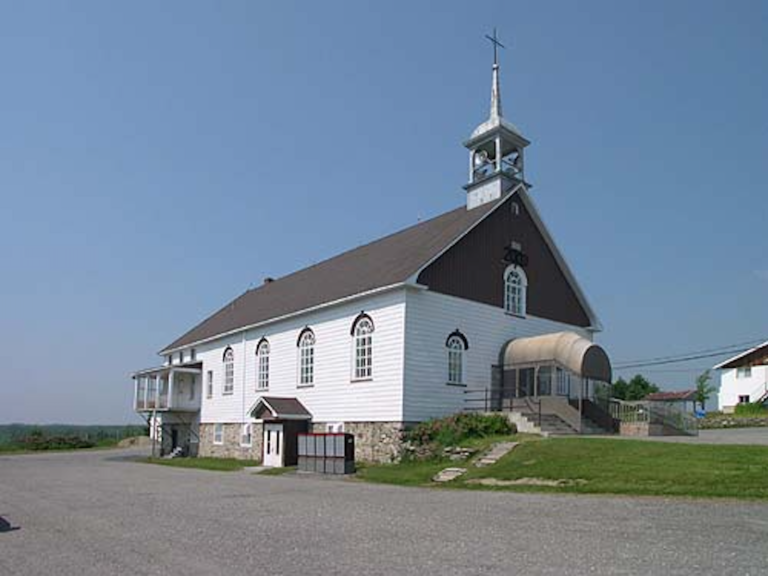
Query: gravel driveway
<point x="97" y="513"/>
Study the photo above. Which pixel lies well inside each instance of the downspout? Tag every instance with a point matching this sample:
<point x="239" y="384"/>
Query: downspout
<point x="242" y="423"/>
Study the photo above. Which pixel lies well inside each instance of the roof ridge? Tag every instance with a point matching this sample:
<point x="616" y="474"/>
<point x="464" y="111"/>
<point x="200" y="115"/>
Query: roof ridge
<point x="386" y="261"/>
<point x="349" y="250"/>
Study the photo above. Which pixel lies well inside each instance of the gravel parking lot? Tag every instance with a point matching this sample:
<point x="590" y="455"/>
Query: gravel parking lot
<point x="98" y="513"/>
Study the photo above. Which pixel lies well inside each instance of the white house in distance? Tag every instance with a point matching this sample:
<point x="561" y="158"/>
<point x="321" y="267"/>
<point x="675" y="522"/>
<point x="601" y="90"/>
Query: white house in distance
<point x="744" y="378"/>
<point x="473" y="309"/>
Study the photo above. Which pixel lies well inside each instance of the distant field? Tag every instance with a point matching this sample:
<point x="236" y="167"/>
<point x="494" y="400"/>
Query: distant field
<point x="22" y="437"/>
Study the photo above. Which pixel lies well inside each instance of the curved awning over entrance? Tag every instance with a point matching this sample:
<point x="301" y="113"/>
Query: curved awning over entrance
<point x="574" y="352"/>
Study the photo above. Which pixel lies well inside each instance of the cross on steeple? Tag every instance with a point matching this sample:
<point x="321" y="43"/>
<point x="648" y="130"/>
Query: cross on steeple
<point x="495" y="41"/>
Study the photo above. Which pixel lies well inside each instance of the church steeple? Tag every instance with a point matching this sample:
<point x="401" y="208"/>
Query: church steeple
<point x="495" y="148"/>
<point x="495" y="90"/>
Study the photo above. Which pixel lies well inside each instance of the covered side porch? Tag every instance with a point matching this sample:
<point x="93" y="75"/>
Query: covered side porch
<point x="556" y="382"/>
<point x="168" y="397"/>
<point x="168" y="387"/>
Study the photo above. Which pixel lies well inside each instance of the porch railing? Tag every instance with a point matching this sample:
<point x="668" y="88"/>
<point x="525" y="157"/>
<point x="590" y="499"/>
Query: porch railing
<point x="657" y="413"/>
<point x="490" y="400"/>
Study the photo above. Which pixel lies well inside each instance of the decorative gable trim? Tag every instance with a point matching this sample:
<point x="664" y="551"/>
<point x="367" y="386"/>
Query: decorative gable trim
<point x="520" y="191"/>
<point x="595" y="324"/>
<point x="413" y="278"/>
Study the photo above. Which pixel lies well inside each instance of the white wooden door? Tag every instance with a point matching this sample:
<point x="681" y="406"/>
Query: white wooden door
<point x="273" y="445"/>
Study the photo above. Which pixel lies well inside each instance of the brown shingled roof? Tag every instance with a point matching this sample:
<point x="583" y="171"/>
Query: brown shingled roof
<point x="385" y="262"/>
<point x="682" y="396"/>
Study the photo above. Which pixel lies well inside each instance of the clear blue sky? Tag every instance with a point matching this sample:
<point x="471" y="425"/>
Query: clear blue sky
<point x="156" y="159"/>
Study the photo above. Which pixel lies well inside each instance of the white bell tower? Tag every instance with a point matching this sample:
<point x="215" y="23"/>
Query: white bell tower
<point x="495" y="149"/>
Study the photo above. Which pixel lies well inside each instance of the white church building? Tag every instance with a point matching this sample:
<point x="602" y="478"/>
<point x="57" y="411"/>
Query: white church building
<point x="475" y="309"/>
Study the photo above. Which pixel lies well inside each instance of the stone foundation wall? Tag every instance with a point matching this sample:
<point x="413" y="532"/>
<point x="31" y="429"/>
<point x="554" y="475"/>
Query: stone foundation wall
<point x="634" y="429"/>
<point x="231" y="447"/>
<point x="730" y="421"/>
<point x="379" y="442"/>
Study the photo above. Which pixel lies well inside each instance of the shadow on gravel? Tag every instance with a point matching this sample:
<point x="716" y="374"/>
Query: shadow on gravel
<point x="5" y="526"/>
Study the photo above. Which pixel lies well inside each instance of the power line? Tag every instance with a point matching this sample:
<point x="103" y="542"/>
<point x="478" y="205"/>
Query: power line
<point x="683" y="359"/>
<point x="698" y="369"/>
<point x="719" y="349"/>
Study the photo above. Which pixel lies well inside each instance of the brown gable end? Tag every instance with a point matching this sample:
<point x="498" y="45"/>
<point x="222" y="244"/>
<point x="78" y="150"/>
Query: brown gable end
<point x="474" y="267"/>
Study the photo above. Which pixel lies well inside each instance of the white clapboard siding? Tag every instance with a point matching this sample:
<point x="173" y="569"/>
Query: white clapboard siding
<point x="731" y="387"/>
<point x="334" y="396"/>
<point x="430" y="318"/>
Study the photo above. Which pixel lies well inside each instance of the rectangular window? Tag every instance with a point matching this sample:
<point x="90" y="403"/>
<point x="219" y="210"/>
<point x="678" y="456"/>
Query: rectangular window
<point x="545" y="380"/>
<point x="563" y="382"/>
<point x="364" y="357"/>
<point x="152" y="392"/>
<point x="218" y="434"/>
<point x="744" y="372"/>
<point x="744" y="399"/>
<point x="181" y="357"/>
<point x="455" y="375"/>
<point x="192" y="355"/>
<point x="229" y="375"/>
<point x="246" y="439"/>
<point x="209" y="384"/>
<point x="192" y="382"/>
<point x="262" y="359"/>
<point x="307" y="364"/>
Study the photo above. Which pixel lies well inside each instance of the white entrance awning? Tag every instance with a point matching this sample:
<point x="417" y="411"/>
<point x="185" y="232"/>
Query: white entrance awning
<point x="576" y="353"/>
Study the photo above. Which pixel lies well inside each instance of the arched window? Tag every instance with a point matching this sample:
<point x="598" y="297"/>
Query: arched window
<point x="456" y="345"/>
<point x="262" y="365"/>
<point x="306" y="358"/>
<point x="362" y="335"/>
<point x="229" y="371"/>
<point x="515" y="286"/>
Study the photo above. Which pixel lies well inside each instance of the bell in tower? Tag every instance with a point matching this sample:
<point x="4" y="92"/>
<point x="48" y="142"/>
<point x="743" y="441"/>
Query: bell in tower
<point x="495" y="149"/>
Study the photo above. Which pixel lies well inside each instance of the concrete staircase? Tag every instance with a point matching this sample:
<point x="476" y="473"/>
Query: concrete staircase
<point x="552" y="425"/>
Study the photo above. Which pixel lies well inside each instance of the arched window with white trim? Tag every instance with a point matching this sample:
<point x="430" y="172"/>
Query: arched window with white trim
<point x="456" y="345"/>
<point x="306" y="357"/>
<point x="229" y="371"/>
<point x="262" y="365"/>
<point x="362" y="334"/>
<point x="515" y="288"/>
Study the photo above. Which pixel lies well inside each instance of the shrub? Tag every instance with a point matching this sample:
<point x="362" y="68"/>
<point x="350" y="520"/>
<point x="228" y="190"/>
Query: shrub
<point x="454" y="429"/>
<point x="751" y="409"/>
<point x="36" y="440"/>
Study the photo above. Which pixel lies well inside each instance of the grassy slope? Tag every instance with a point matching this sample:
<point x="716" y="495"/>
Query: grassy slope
<point x="638" y="467"/>
<point x="420" y="473"/>
<point x="612" y="467"/>
<point x="216" y="464"/>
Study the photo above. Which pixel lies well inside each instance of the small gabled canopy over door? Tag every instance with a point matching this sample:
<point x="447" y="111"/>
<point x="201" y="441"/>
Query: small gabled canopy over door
<point x="273" y="408"/>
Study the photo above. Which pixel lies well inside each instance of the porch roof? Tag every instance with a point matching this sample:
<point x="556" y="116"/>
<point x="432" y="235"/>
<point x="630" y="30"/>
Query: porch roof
<point x="190" y="367"/>
<point x="678" y="396"/>
<point x="574" y="352"/>
<point x="274" y="408"/>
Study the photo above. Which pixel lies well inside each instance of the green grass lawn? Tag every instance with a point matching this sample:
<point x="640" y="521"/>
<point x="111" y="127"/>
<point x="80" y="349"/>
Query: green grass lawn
<point x="215" y="464"/>
<point x="420" y="473"/>
<point x="609" y="466"/>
